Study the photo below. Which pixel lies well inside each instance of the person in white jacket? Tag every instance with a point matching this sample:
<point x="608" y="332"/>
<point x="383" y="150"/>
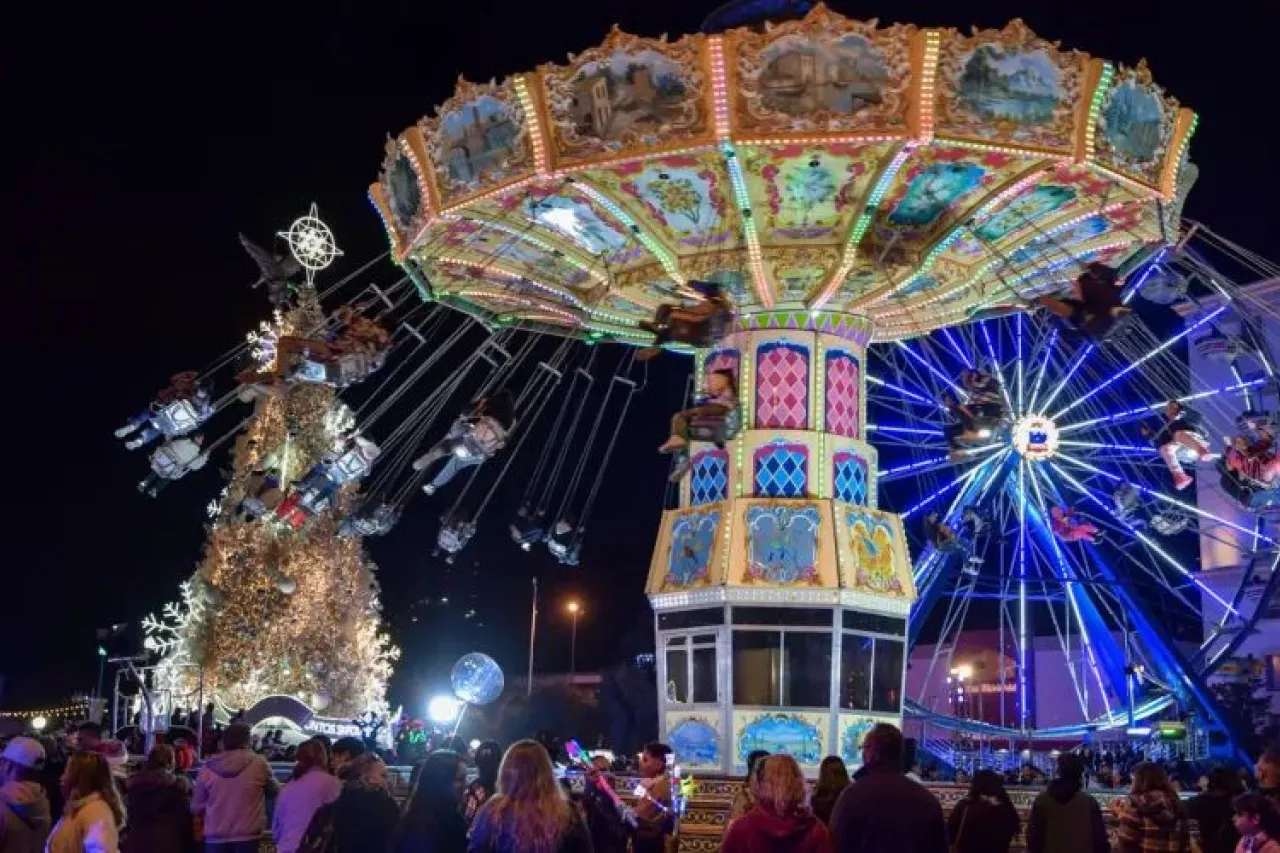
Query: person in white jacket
<point x="173" y="460"/>
<point x="230" y="793"/>
<point x="94" y="815"/>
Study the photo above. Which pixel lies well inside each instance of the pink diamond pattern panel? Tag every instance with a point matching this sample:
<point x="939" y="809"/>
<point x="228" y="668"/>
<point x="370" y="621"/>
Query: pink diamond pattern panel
<point x="842" y="393"/>
<point x="782" y="386"/>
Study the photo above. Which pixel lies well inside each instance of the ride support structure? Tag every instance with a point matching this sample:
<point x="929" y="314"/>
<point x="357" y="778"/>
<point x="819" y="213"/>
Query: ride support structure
<point x="780" y="592"/>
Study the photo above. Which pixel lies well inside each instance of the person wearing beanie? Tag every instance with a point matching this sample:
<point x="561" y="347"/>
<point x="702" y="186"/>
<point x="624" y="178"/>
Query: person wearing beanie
<point x="25" y="820"/>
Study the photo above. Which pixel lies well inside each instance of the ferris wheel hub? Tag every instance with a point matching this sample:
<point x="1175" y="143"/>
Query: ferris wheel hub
<point x="1035" y="437"/>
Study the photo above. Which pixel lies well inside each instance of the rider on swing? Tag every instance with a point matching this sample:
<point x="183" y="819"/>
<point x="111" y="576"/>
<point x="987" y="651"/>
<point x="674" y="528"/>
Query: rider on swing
<point x="1069" y="528"/>
<point x="1094" y="305"/>
<point x="698" y="326"/>
<point x="472" y="439"/>
<point x="1179" y="434"/>
<point x="720" y="399"/>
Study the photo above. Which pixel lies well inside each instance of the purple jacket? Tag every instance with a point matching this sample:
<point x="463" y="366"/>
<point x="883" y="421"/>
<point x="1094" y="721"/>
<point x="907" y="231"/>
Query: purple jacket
<point x="296" y="804"/>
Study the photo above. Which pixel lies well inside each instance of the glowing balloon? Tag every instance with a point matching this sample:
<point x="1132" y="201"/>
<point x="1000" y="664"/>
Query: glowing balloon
<point x="476" y="679"/>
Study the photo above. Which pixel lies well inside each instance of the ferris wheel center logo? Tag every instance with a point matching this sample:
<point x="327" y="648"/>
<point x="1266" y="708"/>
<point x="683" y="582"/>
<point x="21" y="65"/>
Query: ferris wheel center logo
<point x="1035" y="437"/>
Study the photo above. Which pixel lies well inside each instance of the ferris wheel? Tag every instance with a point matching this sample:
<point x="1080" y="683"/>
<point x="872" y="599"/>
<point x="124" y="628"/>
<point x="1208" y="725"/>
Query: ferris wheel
<point x="1055" y="539"/>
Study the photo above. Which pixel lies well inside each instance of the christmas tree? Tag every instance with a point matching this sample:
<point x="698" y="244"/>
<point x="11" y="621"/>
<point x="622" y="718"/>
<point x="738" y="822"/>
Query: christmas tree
<point x="273" y="609"/>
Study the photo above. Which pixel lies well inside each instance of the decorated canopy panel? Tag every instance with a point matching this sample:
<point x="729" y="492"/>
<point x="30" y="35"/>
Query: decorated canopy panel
<point x="912" y="175"/>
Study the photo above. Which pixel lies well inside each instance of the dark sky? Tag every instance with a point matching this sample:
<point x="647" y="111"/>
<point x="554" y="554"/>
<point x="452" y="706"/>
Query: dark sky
<point x="142" y="137"/>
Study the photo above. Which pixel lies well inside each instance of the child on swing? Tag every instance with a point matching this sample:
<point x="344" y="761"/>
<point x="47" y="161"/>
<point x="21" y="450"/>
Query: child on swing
<point x="1095" y="302"/>
<point x="720" y="399"/>
<point x="1180" y="432"/>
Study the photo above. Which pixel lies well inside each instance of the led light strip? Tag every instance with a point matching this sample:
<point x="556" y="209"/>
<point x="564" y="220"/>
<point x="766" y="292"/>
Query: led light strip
<point x="928" y="80"/>
<point x="655" y="248"/>
<point x="1095" y="109"/>
<point x="754" y="255"/>
<point x="860" y="226"/>
<point x="503" y="272"/>
<point x="541" y="159"/>
<point x="527" y="236"/>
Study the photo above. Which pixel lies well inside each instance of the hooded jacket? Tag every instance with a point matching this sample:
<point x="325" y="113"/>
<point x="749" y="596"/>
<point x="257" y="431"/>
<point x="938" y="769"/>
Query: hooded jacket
<point x="24" y="817"/>
<point x="230" y="793"/>
<point x="159" y="809"/>
<point x="1152" y="822"/>
<point x="1066" y="820"/>
<point x="763" y="831"/>
<point x="298" y="802"/>
<point x="87" y="826"/>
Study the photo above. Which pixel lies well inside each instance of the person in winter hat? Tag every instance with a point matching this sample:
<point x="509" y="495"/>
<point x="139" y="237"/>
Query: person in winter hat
<point x="93" y="816"/>
<point x="159" y="805"/>
<point x="1152" y="819"/>
<point x="231" y="792"/>
<point x="779" y="822"/>
<point x="24" y="807"/>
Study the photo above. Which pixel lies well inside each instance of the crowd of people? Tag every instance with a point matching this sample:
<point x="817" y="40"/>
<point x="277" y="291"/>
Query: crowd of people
<point x="339" y="798"/>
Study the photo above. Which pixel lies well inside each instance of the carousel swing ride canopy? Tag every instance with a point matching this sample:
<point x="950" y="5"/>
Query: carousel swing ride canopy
<point x="916" y="176"/>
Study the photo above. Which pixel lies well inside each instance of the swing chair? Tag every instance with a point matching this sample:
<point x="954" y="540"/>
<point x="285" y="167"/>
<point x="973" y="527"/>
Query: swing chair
<point x="699" y="327"/>
<point x="381" y="506"/>
<point x="459" y="525"/>
<point x="1170" y="521"/>
<point x="717" y="429"/>
<point x="1164" y="285"/>
<point x="182" y="416"/>
<point x="565" y="537"/>
<point x="530" y="525"/>
<point x="1219" y="348"/>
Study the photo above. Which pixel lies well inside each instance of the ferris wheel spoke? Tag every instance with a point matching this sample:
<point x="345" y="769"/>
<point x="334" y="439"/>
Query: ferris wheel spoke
<point x="1140" y="361"/>
<point x="902" y="392"/>
<point x="920" y="360"/>
<point x="956" y="348"/>
<point x="1139" y="535"/>
<point x="1160" y="496"/>
<point x="995" y="364"/>
<point x="1146" y="410"/>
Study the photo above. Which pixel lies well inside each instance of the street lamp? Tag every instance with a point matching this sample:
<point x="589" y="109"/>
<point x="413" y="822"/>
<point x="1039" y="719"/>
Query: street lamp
<point x="39" y="723"/>
<point x="574" y="609"/>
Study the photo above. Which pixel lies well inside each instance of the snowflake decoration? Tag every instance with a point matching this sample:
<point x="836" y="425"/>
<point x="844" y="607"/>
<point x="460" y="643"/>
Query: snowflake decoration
<point x="339" y="421"/>
<point x="263" y="340"/>
<point x="311" y="242"/>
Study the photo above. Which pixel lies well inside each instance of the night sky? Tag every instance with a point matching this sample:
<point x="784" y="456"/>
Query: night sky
<point x="144" y="138"/>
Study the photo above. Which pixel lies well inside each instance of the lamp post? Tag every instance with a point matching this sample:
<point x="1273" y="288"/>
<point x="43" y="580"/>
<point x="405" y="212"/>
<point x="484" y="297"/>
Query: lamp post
<point x="574" y="609"/>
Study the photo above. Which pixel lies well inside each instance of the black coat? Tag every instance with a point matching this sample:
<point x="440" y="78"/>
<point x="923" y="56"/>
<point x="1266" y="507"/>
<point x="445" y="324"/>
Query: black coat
<point x="1213" y="814"/>
<point x="159" y="809"/>
<point x="885" y="812"/>
<point x="981" y="826"/>
<point x="441" y="833"/>
<point x="363" y="819"/>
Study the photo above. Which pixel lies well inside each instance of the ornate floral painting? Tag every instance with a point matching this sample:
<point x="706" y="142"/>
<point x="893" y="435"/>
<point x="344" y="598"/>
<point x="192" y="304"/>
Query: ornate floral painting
<point x="782" y="544"/>
<point x="693" y="539"/>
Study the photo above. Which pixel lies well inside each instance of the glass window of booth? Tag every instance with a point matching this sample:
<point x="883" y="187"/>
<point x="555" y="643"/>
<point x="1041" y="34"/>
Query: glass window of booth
<point x="691" y="669"/>
<point x="790" y="668"/>
<point x="871" y="673"/>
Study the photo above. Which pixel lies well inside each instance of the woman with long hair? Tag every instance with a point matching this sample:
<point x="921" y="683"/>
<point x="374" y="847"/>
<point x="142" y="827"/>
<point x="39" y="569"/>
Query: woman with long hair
<point x="530" y="813"/>
<point x="833" y="777"/>
<point x="1152" y="818"/>
<point x="310" y="786"/>
<point x="485" y="785"/>
<point x="93" y="815"/>
<point x="159" y="805"/>
<point x="432" y="821"/>
<point x="779" y="822"/>
<point x="985" y="821"/>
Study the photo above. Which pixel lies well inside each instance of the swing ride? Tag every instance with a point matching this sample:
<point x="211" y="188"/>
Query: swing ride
<point x="864" y="229"/>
